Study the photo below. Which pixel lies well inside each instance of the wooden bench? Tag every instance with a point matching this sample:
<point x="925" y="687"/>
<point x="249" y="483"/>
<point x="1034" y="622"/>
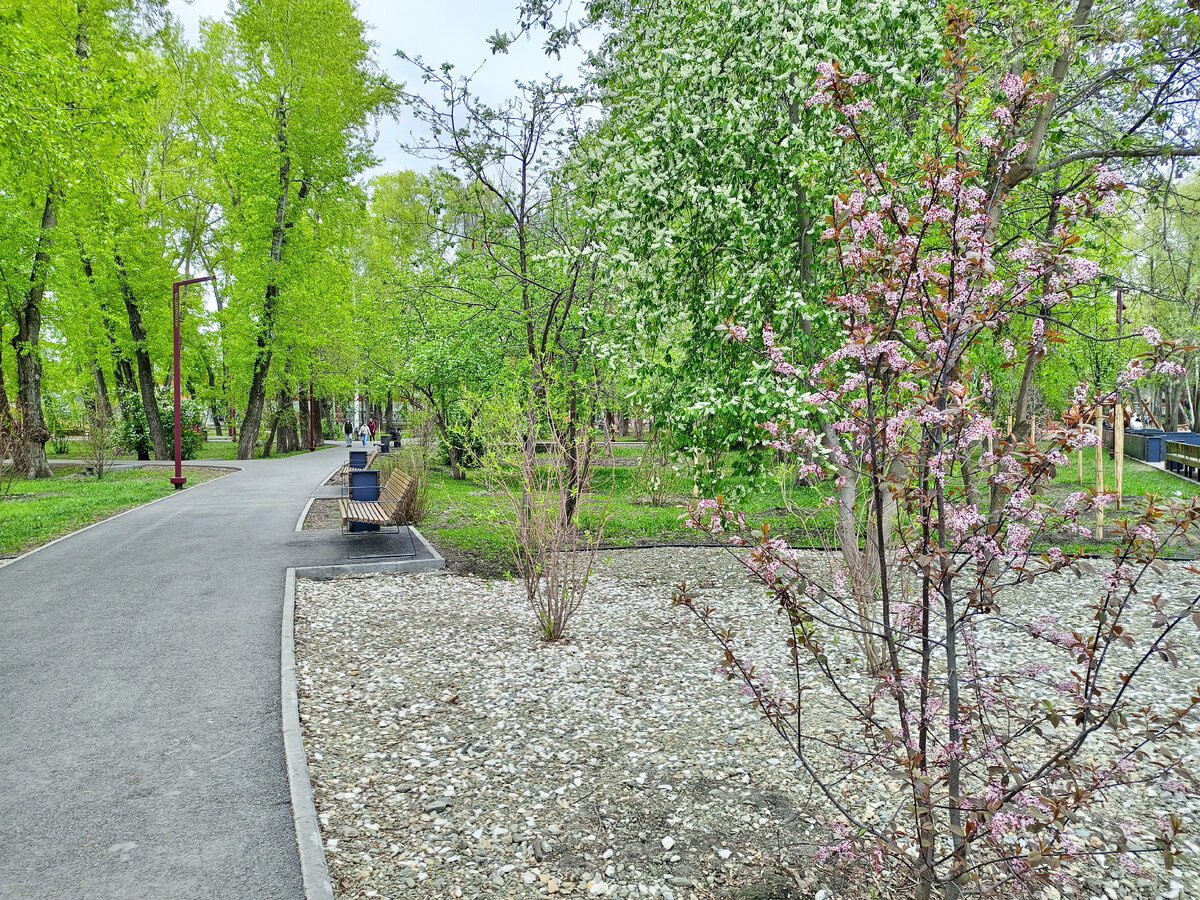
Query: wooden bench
<point x="1181" y="457"/>
<point x="389" y="509"/>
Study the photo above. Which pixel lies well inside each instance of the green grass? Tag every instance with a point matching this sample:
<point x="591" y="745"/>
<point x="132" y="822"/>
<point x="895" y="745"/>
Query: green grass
<point x="1138" y="478"/>
<point x="40" y="510"/>
<point x="466" y="516"/>
<point x="226" y="450"/>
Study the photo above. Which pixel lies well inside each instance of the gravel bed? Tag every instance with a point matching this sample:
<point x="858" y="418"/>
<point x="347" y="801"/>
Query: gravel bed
<point x="453" y="754"/>
<point x="323" y="515"/>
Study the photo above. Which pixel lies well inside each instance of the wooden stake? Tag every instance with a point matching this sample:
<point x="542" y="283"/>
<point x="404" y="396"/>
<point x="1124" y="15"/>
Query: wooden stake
<point x="1118" y="448"/>
<point x="1099" y="449"/>
<point x="1079" y="463"/>
<point x="1033" y="431"/>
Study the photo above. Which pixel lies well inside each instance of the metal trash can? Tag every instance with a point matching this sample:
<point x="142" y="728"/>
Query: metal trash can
<point x="364" y="485"/>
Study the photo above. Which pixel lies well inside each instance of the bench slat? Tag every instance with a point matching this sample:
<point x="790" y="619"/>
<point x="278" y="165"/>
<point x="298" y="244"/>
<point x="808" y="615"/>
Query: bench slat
<point x="388" y="510"/>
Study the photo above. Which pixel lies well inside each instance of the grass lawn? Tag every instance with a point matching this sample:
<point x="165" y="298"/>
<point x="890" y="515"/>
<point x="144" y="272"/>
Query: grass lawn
<point x="40" y="510"/>
<point x="226" y="450"/>
<point x="465" y="518"/>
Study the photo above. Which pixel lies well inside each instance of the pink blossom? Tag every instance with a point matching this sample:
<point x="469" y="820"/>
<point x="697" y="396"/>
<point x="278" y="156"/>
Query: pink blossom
<point x="1084" y="269"/>
<point x="1169" y="367"/>
<point x="1013" y="86"/>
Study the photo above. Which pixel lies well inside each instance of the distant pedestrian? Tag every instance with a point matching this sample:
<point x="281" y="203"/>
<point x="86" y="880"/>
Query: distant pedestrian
<point x="365" y="431"/>
<point x="349" y="429"/>
<point x="371" y="424"/>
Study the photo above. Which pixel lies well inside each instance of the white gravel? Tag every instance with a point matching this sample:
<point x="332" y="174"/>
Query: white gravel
<point x="453" y="754"/>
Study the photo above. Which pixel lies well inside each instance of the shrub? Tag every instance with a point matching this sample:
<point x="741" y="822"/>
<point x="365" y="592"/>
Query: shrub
<point x="133" y="433"/>
<point x="100" y="444"/>
<point x="414" y="463"/>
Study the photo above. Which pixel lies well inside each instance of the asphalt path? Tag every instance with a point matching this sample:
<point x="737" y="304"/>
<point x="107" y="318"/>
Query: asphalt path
<point x="140" y="747"/>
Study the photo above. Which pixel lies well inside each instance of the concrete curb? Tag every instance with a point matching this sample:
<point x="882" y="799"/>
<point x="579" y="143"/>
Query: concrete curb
<point x="304" y="515"/>
<point x="430" y="563"/>
<point x="308" y="506"/>
<point x="232" y="470"/>
<point x="313" y="870"/>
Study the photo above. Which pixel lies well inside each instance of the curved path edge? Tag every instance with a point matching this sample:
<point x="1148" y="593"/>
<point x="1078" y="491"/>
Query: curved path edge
<point x="124" y="512"/>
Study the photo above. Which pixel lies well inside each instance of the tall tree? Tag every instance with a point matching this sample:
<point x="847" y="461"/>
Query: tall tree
<point x="285" y="119"/>
<point x="538" y="250"/>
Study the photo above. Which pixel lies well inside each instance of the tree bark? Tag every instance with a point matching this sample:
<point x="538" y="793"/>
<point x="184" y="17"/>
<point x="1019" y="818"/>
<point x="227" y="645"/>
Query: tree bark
<point x="304" y="417"/>
<point x="270" y="441"/>
<point x="10" y="428"/>
<point x="25" y="343"/>
<point x="103" y="404"/>
<point x="252" y="419"/>
<point x="1196" y="408"/>
<point x="145" y="371"/>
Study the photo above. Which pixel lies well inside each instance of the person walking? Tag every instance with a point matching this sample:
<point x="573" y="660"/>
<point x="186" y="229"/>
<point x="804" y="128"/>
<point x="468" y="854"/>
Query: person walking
<point x="372" y="425"/>
<point x="349" y="430"/>
<point x="365" y="431"/>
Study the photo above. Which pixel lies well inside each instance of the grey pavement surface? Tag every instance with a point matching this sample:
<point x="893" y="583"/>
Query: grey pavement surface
<point x="140" y="746"/>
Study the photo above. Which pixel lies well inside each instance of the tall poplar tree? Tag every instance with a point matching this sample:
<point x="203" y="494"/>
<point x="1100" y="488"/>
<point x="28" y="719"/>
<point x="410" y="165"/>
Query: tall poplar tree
<point x="285" y="118"/>
<point x="62" y="93"/>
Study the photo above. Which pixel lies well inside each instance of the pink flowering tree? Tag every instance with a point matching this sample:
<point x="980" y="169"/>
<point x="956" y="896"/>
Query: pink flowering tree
<point x="995" y="756"/>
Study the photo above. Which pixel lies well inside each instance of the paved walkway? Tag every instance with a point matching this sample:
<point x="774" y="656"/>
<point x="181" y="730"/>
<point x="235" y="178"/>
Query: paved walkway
<point x="140" y="746"/>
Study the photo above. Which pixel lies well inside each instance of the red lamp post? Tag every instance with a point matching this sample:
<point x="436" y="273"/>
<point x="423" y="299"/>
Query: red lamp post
<point x="179" y="479"/>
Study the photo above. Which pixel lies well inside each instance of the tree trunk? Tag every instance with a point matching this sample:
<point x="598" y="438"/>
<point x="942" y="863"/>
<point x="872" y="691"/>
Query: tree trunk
<point x="145" y="371"/>
<point x="286" y="438"/>
<point x="389" y="423"/>
<point x="18" y="447"/>
<point x="25" y="343"/>
<point x="1172" y="413"/>
<point x="846" y="529"/>
<point x="266" y="326"/>
<point x="270" y="441"/>
<point x="304" y="418"/>
<point x="103" y="404"/>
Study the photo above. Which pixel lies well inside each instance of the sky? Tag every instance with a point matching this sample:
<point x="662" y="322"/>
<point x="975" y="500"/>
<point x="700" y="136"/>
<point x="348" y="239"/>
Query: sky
<point x="453" y="31"/>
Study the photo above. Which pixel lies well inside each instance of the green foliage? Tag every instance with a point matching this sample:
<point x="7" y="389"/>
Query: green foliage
<point x="715" y="177"/>
<point x="133" y="436"/>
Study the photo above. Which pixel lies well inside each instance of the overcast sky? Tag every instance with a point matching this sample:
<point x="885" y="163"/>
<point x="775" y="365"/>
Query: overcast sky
<point x="440" y="31"/>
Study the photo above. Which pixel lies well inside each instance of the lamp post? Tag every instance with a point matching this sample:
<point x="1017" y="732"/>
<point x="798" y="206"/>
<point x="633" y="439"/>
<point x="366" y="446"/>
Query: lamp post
<point x="179" y="480"/>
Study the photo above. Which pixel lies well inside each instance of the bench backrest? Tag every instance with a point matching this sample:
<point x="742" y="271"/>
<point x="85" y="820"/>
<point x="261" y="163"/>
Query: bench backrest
<point x="396" y="490"/>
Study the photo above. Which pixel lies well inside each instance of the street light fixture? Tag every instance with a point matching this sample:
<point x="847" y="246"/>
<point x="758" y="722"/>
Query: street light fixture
<point x="179" y="479"/>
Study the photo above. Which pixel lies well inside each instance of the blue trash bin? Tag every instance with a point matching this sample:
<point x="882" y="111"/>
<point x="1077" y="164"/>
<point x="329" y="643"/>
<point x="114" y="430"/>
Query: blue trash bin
<point x="358" y="459"/>
<point x="364" y="485"/>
